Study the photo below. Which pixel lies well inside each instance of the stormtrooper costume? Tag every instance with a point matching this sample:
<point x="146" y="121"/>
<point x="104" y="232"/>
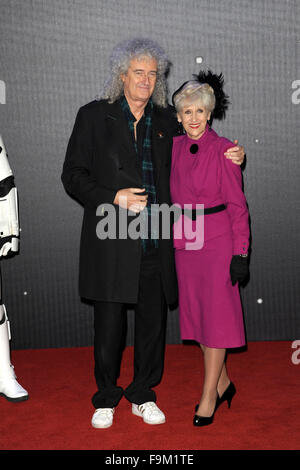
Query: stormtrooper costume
<point x="9" y="241"/>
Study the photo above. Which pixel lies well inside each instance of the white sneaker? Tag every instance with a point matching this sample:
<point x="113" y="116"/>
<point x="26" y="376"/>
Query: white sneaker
<point x="11" y="389"/>
<point x="150" y="412"/>
<point x="103" y="418"/>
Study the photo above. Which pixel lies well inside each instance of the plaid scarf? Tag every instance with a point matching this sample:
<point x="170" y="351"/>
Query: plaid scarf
<point x="147" y="171"/>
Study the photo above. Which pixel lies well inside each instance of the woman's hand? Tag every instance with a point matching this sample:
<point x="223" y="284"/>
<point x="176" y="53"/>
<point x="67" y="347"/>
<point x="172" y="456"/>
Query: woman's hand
<point x="239" y="269"/>
<point x="128" y="199"/>
<point x="236" y="154"/>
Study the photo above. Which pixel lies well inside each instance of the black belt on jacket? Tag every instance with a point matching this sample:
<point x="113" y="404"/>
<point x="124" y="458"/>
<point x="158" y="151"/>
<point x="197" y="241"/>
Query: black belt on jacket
<point x="192" y="213"/>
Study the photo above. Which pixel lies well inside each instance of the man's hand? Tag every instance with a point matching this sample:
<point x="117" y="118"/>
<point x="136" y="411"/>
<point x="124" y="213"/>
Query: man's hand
<point x="128" y="199"/>
<point x="236" y="154"/>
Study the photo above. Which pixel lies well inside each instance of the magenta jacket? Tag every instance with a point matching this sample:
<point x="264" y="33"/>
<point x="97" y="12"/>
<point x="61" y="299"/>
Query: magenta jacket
<point x="209" y="178"/>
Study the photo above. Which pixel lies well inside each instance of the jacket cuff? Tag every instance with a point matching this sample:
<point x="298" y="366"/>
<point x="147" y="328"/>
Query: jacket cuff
<point x="240" y="248"/>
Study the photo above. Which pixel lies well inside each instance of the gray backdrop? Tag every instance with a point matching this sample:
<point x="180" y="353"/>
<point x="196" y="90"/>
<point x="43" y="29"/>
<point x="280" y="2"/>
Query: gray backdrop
<point x="54" y="58"/>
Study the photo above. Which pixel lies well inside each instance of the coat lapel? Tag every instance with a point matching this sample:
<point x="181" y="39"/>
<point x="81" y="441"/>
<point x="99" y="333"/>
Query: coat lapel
<point x="121" y="140"/>
<point x="119" y="133"/>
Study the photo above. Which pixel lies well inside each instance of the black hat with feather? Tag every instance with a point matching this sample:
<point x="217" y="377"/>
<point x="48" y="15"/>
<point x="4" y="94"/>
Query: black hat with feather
<point x="217" y="83"/>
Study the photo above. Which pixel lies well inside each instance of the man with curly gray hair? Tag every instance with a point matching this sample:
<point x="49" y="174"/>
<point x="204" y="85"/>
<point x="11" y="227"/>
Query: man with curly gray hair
<point x="120" y="60"/>
<point x="119" y="155"/>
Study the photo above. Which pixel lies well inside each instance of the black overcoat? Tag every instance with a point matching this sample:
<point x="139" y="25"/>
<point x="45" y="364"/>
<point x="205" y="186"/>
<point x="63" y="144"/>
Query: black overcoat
<point x="100" y="160"/>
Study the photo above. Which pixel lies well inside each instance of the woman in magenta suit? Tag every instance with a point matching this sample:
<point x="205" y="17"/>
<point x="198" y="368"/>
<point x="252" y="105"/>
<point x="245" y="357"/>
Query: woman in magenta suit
<point x="209" y="301"/>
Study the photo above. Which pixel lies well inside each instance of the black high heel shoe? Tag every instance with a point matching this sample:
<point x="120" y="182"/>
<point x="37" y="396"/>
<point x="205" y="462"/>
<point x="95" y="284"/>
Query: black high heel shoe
<point x="227" y="395"/>
<point x="205" y="420"/>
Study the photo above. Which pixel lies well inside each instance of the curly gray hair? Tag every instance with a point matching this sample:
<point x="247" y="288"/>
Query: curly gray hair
<point x="120" y="59"/>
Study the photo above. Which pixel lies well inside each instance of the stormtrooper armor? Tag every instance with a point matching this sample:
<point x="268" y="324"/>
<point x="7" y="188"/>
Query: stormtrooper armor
<point x="9" y="242"/>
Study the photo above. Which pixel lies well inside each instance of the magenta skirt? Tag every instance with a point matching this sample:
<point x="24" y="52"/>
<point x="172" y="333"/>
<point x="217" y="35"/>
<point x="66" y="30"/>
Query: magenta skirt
<point x="210" y="310"/>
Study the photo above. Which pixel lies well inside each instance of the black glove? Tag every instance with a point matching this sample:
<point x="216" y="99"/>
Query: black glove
<point x="239" y="269"/>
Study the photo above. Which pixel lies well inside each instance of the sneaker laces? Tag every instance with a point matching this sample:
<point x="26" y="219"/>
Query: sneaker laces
<point x="105" y="411"/>
<point x="149" y="407"/>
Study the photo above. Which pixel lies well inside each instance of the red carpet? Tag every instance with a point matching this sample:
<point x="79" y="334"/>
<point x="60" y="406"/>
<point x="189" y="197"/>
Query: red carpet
<point x="265" y="413"/>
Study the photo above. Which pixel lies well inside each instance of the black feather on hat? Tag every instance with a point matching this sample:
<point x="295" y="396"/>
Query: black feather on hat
<point x="217" y="83"/>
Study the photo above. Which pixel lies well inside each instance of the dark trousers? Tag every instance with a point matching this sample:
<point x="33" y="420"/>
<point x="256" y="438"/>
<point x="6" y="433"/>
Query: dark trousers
<point x="149" y="340"/>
